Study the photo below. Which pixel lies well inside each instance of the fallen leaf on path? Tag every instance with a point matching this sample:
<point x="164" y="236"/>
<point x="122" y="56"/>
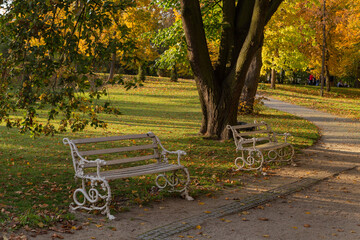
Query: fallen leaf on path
<point x="307" y="225"/>
<point x="207" y="211"/>
<point x="225" y="220"/>
<point x="57" y="236"/>
<point x="245" y="219"/>
<point x="201" y="203"/>
<point x="198" y="227"/>
<point x="266" y="236"/>
<point x="263" y="219"/>
<point x="340" y="230"/>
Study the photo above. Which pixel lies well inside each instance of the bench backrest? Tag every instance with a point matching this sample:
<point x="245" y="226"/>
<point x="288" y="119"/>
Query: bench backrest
<point x="114" y="150"/>
<point x="244" y="134"/>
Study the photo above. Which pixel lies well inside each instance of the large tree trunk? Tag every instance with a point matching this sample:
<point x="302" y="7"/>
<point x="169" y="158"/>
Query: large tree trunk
<point x="220" y="86"/>
<point x="251" y="83"/>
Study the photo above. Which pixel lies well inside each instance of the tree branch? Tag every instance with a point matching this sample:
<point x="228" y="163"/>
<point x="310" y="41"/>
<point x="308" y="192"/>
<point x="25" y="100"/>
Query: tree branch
<point x="273" y="6"/>
<point x="227" y="38"/>
<point x="198" y="52"/>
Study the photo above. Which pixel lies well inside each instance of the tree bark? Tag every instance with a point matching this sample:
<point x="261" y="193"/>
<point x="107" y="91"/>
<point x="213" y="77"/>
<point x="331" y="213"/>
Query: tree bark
<point x="273" y="78"/>
<point x="327" y="78"/>
<point x="251" y="83"/>
<point x="112" y="67"/>
<point x="220" y="86"/>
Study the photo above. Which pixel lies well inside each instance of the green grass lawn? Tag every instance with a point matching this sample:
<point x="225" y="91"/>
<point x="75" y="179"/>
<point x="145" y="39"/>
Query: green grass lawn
<point x="343" y="102"/>
<point x="37" y="177"/>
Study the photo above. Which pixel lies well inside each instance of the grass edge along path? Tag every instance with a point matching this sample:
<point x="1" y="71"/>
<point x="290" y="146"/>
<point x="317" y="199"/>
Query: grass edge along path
<point x="37" y="176"/>
<point x="339" y="101"/>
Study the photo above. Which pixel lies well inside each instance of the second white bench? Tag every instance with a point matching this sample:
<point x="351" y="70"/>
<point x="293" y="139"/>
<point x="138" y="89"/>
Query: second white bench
<point x="258" y="144"/>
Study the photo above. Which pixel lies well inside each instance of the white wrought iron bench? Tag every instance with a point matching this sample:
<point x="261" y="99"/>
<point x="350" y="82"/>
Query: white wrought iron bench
<point x="99" y="160"/>
<point x="258" y="145"/>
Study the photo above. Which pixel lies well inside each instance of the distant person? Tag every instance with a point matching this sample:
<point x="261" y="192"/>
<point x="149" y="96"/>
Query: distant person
<point x="340" y="84"/>
<point x="311" y="80"/>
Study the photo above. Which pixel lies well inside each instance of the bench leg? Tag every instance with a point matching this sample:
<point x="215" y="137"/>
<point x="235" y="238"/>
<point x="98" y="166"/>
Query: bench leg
<point x="185" y="192"/>
<point x="285" y="154"/>
<point x="163" y="181"/>
<point x="91" y="198"/>
<point x="250" y="160"/>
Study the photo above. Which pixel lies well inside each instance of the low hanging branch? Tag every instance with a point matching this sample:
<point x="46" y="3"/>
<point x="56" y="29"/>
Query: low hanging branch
<point x="48" y="53"/>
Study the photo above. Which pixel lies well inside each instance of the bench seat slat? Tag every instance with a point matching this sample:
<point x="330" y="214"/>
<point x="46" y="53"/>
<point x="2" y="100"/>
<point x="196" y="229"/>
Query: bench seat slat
<point x="137" y="171"/>
<point x="116" y="150"/>
<point x="112" y="138"/>
<point x="252" y="132"/>
<point x="124" y="160"/>
<point x="250" y="140"/>
<point x="250" y="125"/>
<point x="271" y="145"/>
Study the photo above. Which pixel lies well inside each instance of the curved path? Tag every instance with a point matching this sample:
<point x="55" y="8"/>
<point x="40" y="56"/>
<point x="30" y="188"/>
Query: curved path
<point x="328" y="210"/>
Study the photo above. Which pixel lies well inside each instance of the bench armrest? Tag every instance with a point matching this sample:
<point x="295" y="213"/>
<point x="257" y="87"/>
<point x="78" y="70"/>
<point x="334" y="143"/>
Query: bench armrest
<point x="165" y="152"/>
<point x="178" y="152"/>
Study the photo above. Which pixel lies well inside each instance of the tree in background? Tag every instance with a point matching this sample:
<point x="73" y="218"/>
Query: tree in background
<point x="286" y="37"/>
<point x="294" y="38"/>
<point x="141" y="19"/>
